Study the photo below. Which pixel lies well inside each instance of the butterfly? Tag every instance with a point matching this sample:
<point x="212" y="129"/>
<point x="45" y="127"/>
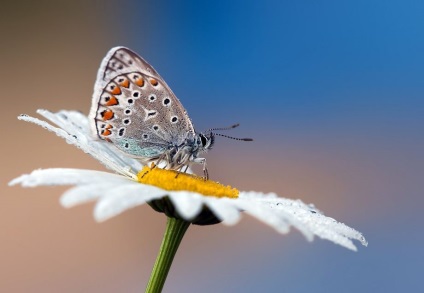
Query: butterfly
<point x="134" y="109"/>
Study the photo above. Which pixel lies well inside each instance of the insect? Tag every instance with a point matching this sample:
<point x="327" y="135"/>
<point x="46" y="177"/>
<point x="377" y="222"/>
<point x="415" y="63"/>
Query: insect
<point x="134" y="109"/>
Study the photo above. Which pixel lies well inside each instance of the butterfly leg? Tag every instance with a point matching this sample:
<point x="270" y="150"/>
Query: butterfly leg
<point x="154" y="165"/>
<point x="180" y="170"/>
<point x="205" y="169"/>
<point x="205" y="172"/>
<point x="185" y="171"/>
<point x="166" y="157"/>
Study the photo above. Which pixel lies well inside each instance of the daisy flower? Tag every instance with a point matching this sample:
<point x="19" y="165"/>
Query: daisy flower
<point x="185" y="199"/>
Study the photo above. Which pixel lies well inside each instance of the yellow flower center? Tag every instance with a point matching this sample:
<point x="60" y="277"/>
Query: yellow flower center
<point x="173" y="180"/>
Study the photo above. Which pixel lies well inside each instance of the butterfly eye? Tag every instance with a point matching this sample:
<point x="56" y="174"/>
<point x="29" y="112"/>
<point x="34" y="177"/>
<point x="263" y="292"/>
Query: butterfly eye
<point x="203" y="139"/>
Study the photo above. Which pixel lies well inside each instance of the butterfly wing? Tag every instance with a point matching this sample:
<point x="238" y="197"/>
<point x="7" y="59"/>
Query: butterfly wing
<point x="133" y="107"/>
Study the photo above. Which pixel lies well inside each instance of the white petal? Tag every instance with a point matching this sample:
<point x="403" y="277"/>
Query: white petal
<point x="124" y="197"/>
<point x="224" y="209"/>
<point x="76" y="123"/>
<point x="322" y="226"/>
<point x="266" y="215"/>
<point x="83" y="194"/>
<point x="283" y="212"/>
<point x="187" y="204"/>
<point x="59" y="176"/>
<point x="294" y="212"/>
<point x="80" y="137"/>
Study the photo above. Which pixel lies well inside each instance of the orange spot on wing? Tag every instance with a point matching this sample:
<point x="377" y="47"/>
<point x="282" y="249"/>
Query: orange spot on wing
<point x="106" y="132"/>
<point x="107" y="114"/>
<point x="109" y="126"/>
<point x="139" y="82"/>
<point x="153" y="82"/>
<point x="125" y="83"/>
<point x="112" y="101"/>
<point x="116" y="91"/>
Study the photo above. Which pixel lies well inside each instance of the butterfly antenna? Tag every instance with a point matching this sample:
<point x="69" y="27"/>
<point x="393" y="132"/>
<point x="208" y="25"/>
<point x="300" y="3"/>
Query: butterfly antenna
<point x="224" y="128"/>
<point x="235" y="138"/>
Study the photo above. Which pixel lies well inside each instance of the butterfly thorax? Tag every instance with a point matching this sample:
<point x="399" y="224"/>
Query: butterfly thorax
<point x="178" y="156"/>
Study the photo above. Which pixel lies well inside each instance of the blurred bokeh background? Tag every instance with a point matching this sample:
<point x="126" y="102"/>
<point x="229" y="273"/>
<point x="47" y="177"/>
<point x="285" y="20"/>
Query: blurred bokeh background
<point x="331" y="91"/>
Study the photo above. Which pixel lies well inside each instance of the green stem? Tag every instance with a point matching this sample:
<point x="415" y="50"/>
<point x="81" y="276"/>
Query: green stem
<point x="174" y="233"/>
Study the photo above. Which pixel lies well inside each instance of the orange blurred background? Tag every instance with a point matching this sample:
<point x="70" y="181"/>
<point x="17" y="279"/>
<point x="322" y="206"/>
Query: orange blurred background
<point x="368" y="179"/>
